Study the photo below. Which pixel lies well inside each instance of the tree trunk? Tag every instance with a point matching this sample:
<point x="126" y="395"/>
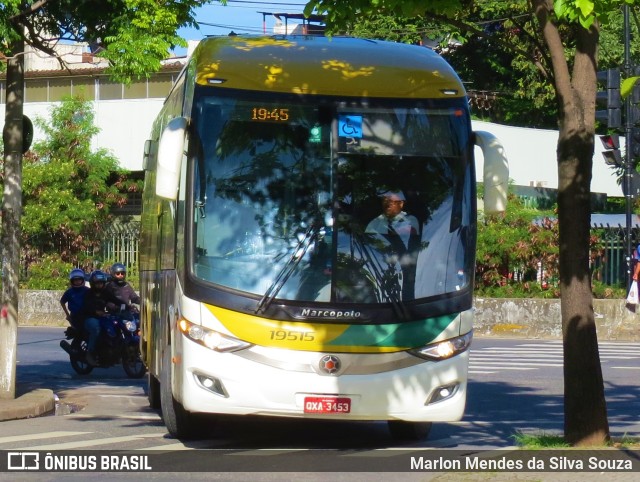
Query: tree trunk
<point x="585" y="411"/>
<point x="11" y="213"/>
<point x="584" y="402"/>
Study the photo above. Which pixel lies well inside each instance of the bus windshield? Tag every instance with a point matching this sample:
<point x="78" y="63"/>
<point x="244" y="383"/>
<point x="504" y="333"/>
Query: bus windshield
<point x="331" y="200"/>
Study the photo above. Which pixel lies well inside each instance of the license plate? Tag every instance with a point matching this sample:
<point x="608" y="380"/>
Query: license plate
<point x="327" y="405"/>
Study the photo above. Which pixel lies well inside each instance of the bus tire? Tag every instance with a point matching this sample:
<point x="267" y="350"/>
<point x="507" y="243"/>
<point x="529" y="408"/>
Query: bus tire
<point x="179" y="422"/>
<point x="153" y="391"/>
<point x="409" y="431"/>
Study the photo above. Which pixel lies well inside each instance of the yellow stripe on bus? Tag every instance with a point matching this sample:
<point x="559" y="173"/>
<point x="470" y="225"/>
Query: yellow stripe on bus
<point x="338" y="337"/>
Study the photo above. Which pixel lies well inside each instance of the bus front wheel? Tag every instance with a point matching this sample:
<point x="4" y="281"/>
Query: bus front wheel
<point x="179" y="422"/>
<point x="409" y="431"/>
<point x="153" y="391"/>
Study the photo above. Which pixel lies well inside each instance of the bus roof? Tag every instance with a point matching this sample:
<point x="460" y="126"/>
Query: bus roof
<point x="325" y="66"/>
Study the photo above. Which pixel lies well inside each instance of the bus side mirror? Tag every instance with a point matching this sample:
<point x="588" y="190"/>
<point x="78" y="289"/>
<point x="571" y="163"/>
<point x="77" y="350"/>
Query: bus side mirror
<point x="146" y="162"/>
<point x="496" y="172"/>
<point x="170" y="153"/>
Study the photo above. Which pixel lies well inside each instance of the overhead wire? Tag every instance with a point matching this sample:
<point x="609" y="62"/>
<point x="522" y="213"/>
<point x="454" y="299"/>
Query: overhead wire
<point x="287" y="7"/>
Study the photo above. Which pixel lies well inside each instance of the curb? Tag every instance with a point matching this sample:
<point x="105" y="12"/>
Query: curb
<point x="32" y="404"/>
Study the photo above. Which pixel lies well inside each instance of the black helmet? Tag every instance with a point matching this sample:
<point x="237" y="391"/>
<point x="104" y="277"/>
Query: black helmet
<point x="97" y="277"/>
<point x="116" y="269"/>
<point x="76" y="273"/>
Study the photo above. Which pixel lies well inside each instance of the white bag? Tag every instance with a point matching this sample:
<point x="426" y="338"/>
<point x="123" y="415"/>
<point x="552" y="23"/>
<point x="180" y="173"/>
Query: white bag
<point x="632" y="297"/>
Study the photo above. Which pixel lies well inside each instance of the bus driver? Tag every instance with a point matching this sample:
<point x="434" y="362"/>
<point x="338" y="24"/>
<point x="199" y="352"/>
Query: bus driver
<point x="402" y="231"/>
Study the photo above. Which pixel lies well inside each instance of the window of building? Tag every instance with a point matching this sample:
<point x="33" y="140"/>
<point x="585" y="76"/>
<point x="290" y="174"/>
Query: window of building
<point x="136" y="90"/>
<point x="59" y="89"/>
<point x="84" y="87"/>
<point x="160" y="85"/>
<point x="36" y="90"/>
<point x="109" y="90"/>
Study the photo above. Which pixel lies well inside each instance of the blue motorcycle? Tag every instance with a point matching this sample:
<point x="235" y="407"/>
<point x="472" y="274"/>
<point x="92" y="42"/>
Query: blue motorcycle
<point x="119" y="342"/>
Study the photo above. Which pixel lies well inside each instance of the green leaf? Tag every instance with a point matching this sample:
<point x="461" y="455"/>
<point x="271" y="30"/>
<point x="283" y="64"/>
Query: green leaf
<point x="627" y="86"/>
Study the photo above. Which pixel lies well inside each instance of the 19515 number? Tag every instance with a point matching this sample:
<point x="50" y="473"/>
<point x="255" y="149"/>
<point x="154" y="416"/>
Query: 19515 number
<point x="282" y="335"/>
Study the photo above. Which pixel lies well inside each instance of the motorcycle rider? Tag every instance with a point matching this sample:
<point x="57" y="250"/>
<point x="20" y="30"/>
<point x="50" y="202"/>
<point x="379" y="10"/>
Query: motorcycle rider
<point x="120" y="290"/>
<point x="95" y="309"/>
<point x="72" y="300"/>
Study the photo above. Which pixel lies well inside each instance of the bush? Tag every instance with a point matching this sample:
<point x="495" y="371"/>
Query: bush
<point x="50" y="273"/>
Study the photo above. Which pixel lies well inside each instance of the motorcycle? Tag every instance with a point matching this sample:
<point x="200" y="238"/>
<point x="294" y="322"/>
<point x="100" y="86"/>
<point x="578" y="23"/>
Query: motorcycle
<point x="119" y="342"/>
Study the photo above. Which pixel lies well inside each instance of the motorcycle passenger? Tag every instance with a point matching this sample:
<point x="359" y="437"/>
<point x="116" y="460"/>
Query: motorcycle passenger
<point x="95" y="309"/>
<point x="72" y="300"/>
<point x="122" y="291"/>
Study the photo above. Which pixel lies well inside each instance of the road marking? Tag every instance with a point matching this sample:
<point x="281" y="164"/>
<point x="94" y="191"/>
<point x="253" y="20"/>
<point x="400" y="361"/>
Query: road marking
<point x="492" y="356"/>
<point x="267" y="452"/>
<point x="123" y="417"/>
<point x="193" y="445"/>
<point x="39" y="436"/>
<point x="115" y="396"/>
<point x="516" y="364"/>
<point x="92" y="443"/>
<point x="627" y="368"/>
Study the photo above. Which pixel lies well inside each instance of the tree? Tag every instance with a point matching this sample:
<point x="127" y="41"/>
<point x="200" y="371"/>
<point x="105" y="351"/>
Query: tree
<point x="134" y="35"/>
<point x="68" y="189"/>
<point x="566" y="54"/>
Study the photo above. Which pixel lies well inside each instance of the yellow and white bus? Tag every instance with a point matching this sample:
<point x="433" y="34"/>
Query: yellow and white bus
<point x="308" y="234"/>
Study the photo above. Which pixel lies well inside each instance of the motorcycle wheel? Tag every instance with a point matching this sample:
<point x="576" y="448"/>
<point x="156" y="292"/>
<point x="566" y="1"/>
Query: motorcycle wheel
<point x="79" y="363"/>
<point x="132" y="363"/>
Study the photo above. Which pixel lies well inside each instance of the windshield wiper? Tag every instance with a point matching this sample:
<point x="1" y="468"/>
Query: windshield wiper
<point x="392" y="295"/>
<point x="288" y="269"/>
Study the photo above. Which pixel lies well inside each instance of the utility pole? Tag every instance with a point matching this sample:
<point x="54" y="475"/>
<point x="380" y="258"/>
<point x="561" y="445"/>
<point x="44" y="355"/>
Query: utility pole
<point x="628" y="126"/>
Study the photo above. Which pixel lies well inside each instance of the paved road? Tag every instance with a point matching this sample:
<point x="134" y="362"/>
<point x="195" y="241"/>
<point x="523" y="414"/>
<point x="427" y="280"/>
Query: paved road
<point x="515" y="385"/>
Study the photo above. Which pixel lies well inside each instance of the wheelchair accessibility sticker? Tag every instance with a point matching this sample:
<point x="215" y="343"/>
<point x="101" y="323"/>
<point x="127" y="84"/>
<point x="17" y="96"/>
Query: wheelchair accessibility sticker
<point x="350" y="126"/>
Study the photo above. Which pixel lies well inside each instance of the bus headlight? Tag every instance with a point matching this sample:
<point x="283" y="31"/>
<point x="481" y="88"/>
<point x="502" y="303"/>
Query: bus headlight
<point x="211" y="339"/>
<point x="444" y="349"/>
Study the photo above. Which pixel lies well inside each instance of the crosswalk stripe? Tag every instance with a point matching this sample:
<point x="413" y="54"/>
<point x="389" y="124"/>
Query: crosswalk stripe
<point x="193" y="445"/>
<point x="92" y="443"/>
<point x="525" y="356"/>
<point x="267" y="452"/>
<point x="532" y="356"/>
<point x="630" y="351"/>
<point x="39" y="436"/>
<point x="516" y="364"/>
<point x="124" y="417"/>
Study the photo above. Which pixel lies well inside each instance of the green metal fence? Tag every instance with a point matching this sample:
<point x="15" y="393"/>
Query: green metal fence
<point x="120" y="244"/>
<point x="611" y="266"/>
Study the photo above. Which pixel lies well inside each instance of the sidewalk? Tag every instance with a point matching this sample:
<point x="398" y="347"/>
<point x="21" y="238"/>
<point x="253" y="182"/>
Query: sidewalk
<point x="32" y="404"/>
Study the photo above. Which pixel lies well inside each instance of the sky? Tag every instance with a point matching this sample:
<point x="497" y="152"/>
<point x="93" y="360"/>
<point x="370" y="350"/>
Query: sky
<point x="240" y="16"/>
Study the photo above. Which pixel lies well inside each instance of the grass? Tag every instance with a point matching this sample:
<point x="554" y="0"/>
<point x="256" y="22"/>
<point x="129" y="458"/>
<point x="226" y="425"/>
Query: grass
<point x="552" y="441"/>
<point x="539" y="441"/>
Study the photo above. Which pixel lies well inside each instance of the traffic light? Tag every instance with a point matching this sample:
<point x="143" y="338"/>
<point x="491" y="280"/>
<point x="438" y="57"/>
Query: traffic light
<point x="612" y="155"/>
<point x="609" y="98"/>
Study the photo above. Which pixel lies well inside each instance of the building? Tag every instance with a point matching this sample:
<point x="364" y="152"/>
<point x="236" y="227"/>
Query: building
<point x="124" y="114"/>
